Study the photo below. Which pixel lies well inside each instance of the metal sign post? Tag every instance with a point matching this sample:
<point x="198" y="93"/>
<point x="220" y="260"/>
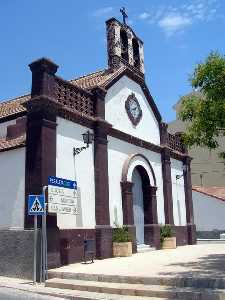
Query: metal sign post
<point x="35" y="208"/>
<point x="35" y="248"/>
<point x="44" y="239"/>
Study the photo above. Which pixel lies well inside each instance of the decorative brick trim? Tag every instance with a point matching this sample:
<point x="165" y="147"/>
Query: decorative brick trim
<point x="40" y="158"/>
<point x="128" y="162"/>
<point x="43" y="71"/>
<point x="41" y="133"/>
<point x="76" y="117"/>
<point x="99" y="102"/>
<point x="103" y="241"/>
<point x="188" y="190"/>
<point x="152" y="235"/>
<point x="167" y="186"/>
<point x="134" y="140"/>
<point x="16" y="130"/>
<point x="163" y="133"/>
<point x="188" y="201"/>
<point x="101" y="174"/>
<point x="150" y="204"/>
<point x="72" y="244"/>
<point x="127" y="202"/>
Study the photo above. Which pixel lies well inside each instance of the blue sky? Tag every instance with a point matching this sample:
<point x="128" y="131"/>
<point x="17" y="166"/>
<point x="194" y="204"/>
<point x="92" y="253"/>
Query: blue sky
<point x="177" y="34"/>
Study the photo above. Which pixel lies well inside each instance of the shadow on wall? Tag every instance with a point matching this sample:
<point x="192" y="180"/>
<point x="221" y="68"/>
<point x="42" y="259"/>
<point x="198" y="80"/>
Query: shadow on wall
<point x="79" y="216"/>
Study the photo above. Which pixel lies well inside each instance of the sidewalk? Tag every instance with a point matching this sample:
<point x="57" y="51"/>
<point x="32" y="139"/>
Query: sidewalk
<point x="186" y="261"/>
<point x="19" y="285"/>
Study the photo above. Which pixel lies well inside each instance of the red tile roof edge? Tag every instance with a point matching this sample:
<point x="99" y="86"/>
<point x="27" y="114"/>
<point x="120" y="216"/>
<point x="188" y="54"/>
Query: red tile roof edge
<point x="211" y="191"/>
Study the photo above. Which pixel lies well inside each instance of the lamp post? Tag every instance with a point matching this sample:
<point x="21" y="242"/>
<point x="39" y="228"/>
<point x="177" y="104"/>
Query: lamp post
<point x="184" y="170"/>
<point x="88" y="137"/>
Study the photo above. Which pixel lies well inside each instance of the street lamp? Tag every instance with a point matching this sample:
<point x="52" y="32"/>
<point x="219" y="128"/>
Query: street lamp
<point x="184" y="170"/>
<point x="88" y="137"/>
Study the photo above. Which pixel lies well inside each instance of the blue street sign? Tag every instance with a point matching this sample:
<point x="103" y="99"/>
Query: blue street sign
<point x="65" y="183"/>
<point x="36" y="204"/>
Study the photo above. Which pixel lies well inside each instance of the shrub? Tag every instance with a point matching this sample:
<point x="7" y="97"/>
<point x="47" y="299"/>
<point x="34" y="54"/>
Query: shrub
<point x="121" y="234"/>
<point x="166" y="231"/>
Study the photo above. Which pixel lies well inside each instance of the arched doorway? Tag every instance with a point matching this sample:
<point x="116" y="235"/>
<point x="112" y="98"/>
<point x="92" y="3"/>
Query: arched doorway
<point x="138" y="206"/>
<point x="139" y="199"/>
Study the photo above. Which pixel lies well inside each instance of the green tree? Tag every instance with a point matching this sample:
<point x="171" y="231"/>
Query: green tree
<point x="204" y="109"/>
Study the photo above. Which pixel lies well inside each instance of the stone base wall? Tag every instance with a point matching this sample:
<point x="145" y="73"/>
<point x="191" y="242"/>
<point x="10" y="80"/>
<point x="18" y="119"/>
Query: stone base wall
<point x="72" y="244"/>
<point x="67" y="246"/>
<point x="181" y="235"/>
<point x="213" y="234"/>
<point x="17" y="252"/>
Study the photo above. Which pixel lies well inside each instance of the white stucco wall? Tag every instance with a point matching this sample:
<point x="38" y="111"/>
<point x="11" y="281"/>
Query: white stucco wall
<point x="69" y="135"/>
<point x="209" y="212"/>
<point x="118" y="152"/>
<point x="12" y="188"/>
<point x="147" y="129"/>
<point x="3" y="128"/>
<point x="179" y="207"/>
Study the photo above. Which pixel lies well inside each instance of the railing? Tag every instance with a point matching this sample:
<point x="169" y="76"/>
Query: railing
<point x="73" y="97"/>
<point x="174" y="142"/>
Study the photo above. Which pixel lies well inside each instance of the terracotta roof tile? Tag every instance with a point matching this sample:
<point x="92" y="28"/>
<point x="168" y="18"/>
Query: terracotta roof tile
<point x="13" y="106"/>
<point x="13" y="143"/>
<point x="99" y="78"/>
<point x="87" y="82"/>
<point x="213" y="191"/>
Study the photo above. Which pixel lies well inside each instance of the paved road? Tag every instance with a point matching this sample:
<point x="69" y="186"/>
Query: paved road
<point x="13" y="294"/>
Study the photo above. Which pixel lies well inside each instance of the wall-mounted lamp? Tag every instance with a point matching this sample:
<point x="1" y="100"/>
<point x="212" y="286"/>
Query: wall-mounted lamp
<point x="88" y="137"/>
<point x="184" y="171"/>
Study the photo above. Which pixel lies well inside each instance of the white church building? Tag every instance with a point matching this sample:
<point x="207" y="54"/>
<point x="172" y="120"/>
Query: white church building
<point x="133" y="173"/>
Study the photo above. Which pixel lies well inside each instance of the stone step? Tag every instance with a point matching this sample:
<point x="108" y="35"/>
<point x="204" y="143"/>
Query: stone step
<point x="139" y="290"/>
<point x="198" y="282"/>
<point x="144" y="248"/>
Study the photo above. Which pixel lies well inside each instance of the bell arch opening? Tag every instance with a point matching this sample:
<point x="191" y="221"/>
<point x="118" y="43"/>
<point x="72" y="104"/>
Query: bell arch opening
<point x="124" y="44"/>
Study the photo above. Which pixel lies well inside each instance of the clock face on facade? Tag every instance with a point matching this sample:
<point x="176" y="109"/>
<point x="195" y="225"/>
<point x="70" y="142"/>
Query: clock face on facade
<point x="133" y="109"/>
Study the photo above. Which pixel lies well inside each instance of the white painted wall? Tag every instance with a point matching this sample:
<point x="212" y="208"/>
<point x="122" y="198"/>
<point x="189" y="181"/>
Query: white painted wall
<point x="3" y="128"/>
<point x="179" y="207"/>
<point x="118" y="152"/>
<point x="147" y="129"/>
<point x="209" y="212"/>
<point x="69" y="135"/>
<point x="12" y="188"/>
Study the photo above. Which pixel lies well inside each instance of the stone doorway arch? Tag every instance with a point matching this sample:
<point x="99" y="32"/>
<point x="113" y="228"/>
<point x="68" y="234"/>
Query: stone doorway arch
<point x="139" y="163"/>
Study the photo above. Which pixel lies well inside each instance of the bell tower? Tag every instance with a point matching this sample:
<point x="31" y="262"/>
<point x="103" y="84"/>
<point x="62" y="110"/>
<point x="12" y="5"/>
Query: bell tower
<point x="123" y="46"/>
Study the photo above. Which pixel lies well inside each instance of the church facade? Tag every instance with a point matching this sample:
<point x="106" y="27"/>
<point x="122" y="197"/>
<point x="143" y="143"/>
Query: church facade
<point x="134" y="172"/>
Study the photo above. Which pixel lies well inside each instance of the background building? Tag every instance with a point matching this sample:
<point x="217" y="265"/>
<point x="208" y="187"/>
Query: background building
<point x="207" y="168"/>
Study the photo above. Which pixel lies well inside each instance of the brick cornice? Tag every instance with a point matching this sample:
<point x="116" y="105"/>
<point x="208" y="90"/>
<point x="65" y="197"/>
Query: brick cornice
<point x="48" y="104"/>
<point x="134" y="140"/>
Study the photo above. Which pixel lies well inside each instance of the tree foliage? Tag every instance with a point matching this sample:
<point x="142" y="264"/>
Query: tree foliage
<point x="204" y="109"/>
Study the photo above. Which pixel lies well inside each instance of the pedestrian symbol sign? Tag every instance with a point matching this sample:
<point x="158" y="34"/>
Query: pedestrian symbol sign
<point x="36" y="205"/>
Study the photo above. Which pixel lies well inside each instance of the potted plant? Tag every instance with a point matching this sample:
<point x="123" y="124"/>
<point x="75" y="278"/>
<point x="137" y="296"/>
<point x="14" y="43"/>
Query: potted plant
<point x="167" y="240"/>
<point x="122" y="242"/>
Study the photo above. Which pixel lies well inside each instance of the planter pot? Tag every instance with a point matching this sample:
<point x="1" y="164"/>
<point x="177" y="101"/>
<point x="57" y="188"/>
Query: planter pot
<point x="122" y="249"/>
<point x="169" y="243"/>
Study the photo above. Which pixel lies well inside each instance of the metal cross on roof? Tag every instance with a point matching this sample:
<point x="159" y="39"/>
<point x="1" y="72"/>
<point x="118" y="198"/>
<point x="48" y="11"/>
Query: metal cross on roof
<point x="124" y="14"/>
